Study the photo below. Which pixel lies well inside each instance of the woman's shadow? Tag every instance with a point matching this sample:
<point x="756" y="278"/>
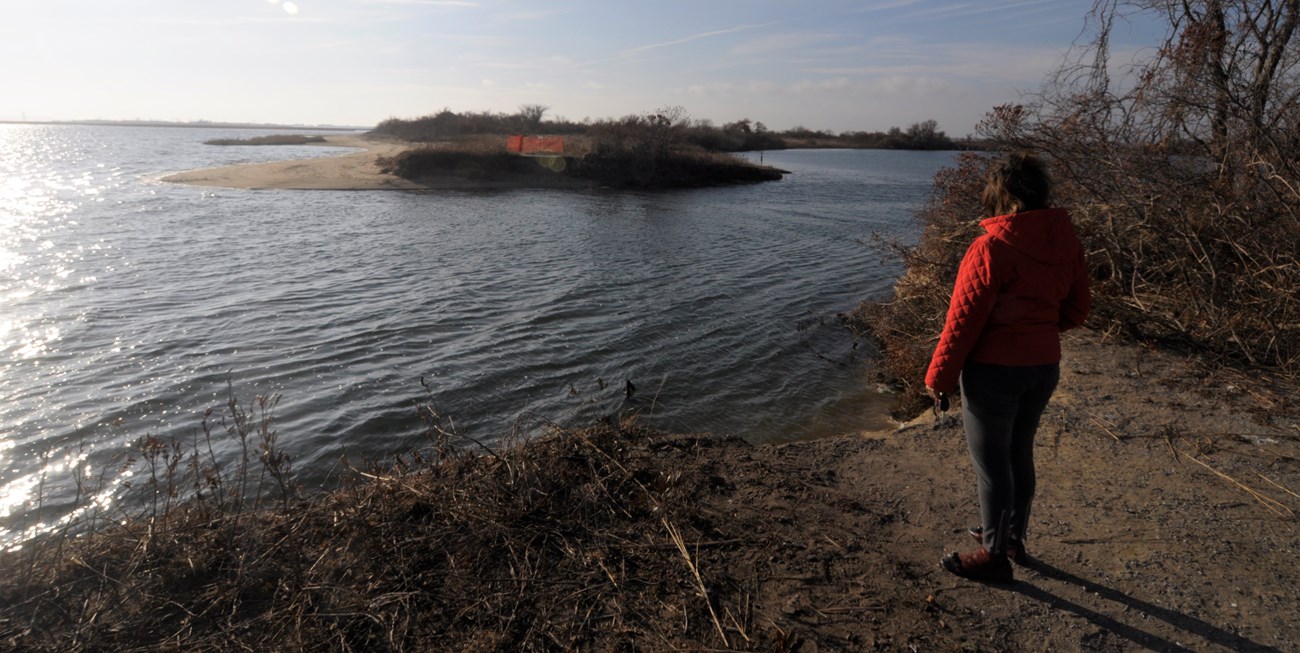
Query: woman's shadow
<point x="1189" y="624"/>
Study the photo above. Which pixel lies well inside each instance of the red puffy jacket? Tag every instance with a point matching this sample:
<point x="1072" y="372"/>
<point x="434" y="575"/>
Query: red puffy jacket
<point x="1019" y="286"/>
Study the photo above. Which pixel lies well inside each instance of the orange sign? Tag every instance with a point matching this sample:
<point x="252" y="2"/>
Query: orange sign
<point x="535" y="144"/>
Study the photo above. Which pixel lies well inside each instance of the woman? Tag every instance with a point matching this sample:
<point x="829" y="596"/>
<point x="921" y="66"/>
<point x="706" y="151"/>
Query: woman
<point x="1020" y="285"/>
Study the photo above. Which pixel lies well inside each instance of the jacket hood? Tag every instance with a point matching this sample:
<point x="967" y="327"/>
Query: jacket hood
<point x="1045" y="235"/>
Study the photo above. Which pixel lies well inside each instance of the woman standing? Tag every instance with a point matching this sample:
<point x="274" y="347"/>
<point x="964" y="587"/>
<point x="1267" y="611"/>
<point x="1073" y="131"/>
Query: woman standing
<point x="1019" y="285"/>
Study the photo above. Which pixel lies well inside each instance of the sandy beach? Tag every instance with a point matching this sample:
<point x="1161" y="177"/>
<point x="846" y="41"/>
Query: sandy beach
<point x="356" y="171"/>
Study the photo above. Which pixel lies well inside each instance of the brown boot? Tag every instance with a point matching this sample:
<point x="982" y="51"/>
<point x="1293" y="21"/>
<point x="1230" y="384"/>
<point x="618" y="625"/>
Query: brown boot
<point x="1015" y="548"/>
<point x="979" y="564"/>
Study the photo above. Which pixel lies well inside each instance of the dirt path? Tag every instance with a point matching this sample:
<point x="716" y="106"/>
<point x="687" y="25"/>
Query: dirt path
<point x="1144" y="538"/>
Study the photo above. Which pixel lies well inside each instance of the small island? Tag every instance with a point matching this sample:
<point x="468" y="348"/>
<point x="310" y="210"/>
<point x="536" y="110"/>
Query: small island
<point x="450" y="151"/>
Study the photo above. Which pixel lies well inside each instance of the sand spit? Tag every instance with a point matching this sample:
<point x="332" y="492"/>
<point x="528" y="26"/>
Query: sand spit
<point x="356" y="171"/>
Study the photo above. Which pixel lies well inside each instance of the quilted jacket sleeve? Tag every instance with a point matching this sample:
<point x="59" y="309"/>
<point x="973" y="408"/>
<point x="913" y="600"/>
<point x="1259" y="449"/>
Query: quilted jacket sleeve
<point x="972" y="301"/>
<point x="1075" y="306"/>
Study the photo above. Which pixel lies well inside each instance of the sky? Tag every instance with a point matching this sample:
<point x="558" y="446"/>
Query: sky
<point x="822" y="64"/>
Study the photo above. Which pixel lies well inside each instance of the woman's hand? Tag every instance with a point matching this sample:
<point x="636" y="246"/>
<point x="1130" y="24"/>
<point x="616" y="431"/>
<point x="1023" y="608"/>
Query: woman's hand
<point x="940" y="399"/>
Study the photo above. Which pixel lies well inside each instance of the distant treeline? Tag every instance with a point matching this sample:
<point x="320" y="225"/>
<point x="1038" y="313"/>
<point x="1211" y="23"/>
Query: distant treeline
<point x="740" y="136"/>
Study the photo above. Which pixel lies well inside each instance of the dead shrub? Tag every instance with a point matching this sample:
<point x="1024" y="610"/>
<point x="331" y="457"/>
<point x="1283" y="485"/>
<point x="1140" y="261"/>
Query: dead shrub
<point x="905" y="328"/>
<point x="1183" y="178"/>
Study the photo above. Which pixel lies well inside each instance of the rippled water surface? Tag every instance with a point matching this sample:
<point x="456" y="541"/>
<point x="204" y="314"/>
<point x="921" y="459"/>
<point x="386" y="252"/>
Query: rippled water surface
<point x="128" y="304"/>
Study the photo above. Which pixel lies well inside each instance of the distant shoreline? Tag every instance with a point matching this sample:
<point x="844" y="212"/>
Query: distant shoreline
<point x="186" y="125"/>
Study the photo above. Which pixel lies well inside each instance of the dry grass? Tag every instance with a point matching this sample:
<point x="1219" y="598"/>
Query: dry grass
<point x="574" y="541"/>
<point x="1172" y="263"/>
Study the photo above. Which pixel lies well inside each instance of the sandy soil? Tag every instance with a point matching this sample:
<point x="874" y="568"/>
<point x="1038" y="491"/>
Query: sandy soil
<point x="357" y="171"/>
<point x="1165" y="520"/>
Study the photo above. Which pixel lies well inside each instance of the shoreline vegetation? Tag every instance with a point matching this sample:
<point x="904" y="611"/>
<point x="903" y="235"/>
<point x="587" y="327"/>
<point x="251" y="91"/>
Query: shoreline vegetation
<point x="744" y="135"/>
<point x="632" y="165"/>
<point x="1168" y="461"/>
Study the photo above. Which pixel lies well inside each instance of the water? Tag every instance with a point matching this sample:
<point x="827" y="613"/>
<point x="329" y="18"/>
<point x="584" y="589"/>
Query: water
<point x="127" y="305"/>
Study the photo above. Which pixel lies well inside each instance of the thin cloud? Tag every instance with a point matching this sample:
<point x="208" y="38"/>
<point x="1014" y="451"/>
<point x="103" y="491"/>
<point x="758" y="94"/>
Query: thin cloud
<point x="942" y="10"/>
<point x="893" y="85"/>
<point x="776" y="42"/>
<point x="540" y="14"/>
<point x="882" y="6"/>
<point x="967" y="9"/>
<point x="550" y="64"/>
<point x="688" y="39"/>
<point x="957" y="61"/>
<point x="425" y="3"/>
<point x="230" y="22"/>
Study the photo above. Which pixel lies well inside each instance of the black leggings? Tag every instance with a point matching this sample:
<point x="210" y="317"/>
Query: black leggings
<point x="1001" y="406"/>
